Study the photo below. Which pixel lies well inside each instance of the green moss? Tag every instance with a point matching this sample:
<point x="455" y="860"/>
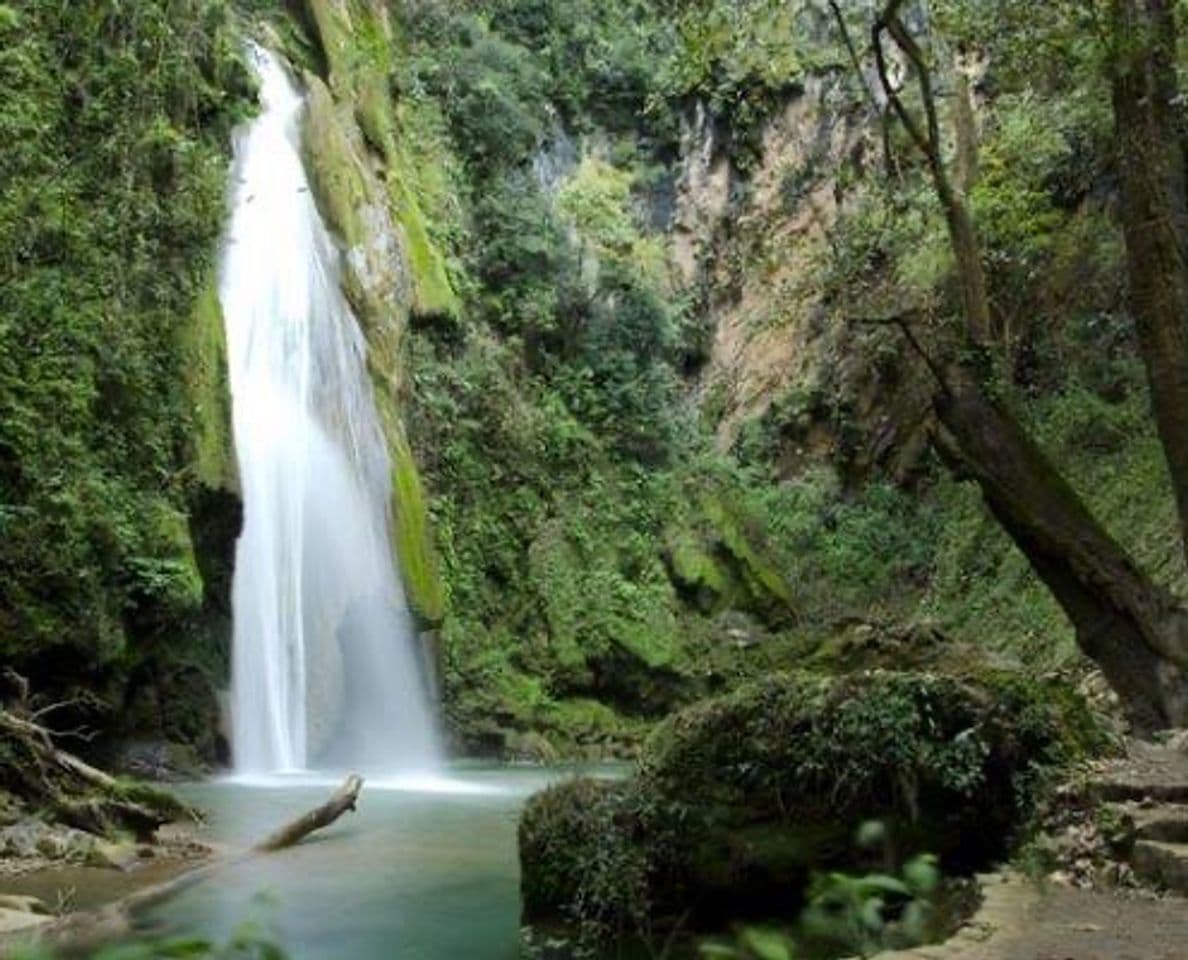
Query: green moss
<point x="415" y="550"/>
<point x="605" y="594"/>
<point x="336" y="171"/>
<point x="588" y="728"/>
<point x="206" y="380"/>
<point x="356" y="42"/>
<point x="737" y="800"/>
<point x="332" y="22"/>
<point x="432" y="294"/>
<point x="696" y="570"/>
<point x="762" y="579"/>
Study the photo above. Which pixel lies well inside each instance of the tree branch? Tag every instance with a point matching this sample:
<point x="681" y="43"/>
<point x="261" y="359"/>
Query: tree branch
<point x="852" y="50"/>
<point x="903" y="322"/>
<point x="341" y="802"/>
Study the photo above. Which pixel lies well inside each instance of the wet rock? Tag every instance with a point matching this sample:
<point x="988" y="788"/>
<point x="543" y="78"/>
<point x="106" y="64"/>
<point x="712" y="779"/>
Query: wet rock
<point x="14" y="901"/>
<point x="113" y="856"/>
<point x="12" y="921"/>
<point x="32" y="839"/>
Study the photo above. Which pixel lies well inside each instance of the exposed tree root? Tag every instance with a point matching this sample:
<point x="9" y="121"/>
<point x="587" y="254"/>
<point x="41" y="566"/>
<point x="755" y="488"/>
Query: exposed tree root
<point x="71" y="791"/>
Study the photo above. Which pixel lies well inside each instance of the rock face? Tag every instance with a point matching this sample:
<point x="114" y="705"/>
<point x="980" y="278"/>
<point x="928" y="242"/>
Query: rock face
<point x="364" y="181"/>
<point x="755" y="242"/>
<point x="737" y="800"/>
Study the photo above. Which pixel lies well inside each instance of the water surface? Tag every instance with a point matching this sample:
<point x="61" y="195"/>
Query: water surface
<point x="423" y="871"/>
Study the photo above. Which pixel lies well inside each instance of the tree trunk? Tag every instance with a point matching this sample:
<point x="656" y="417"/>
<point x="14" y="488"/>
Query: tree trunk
<point x="342" y="801"/>
<point x="1134" y="630"/>
<point x="1155" y="217"/>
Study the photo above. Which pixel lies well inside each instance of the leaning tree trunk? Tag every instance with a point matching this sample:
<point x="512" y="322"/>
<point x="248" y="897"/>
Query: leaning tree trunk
<point x="1134" y="630"/>
<point x="1155" y="216"/>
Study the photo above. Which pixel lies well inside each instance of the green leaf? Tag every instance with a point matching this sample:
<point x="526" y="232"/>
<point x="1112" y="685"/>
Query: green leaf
<point x="914" y="921"/>
<point x="871" y="914"/>
<point x="713" y="950"/>
<point x="767" y="944"/>
<point x="922" y="874"/>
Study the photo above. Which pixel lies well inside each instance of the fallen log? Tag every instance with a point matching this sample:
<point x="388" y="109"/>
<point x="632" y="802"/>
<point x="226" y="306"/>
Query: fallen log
<point x="73" y="792"/>
<point x="86" y="931"/>
<point x="292" y="832"/>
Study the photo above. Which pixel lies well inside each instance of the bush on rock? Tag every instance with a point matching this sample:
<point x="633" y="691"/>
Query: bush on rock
<point x="738" y="799"/>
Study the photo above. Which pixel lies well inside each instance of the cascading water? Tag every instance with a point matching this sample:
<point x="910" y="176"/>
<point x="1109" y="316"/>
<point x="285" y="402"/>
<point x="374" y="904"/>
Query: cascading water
<point x="325" y="668"/>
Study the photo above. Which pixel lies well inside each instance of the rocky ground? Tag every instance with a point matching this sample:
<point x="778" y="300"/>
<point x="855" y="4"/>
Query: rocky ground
<point x="73" y="836"/>
<point x="48" y="871"/>
<point x="1120" y="892"/>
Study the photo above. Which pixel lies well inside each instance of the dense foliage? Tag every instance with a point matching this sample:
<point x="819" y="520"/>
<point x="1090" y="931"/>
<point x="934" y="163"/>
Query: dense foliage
<point x="737" y="800"/>
<point x="116" y="122"/>
<point x="610" y="545"/>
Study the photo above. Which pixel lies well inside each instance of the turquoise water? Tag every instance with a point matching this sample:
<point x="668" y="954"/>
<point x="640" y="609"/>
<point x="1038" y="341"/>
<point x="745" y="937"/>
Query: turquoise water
<point x="419" y="872"/>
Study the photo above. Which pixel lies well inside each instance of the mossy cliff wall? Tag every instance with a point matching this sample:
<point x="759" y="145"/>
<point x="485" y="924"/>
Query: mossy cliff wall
<point x="366" y="183"/>
<point x="117" y="505"/>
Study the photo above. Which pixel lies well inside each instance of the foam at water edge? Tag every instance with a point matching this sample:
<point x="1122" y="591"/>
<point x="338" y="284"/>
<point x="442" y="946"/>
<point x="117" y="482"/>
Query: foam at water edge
<point x="410" y="783"/>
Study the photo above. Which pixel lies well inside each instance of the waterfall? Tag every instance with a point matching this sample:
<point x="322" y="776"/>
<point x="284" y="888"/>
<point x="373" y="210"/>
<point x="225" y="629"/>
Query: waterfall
<point x="325" y="664"/>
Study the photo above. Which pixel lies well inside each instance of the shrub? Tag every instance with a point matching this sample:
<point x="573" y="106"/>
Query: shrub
<point x="737" y="800"/>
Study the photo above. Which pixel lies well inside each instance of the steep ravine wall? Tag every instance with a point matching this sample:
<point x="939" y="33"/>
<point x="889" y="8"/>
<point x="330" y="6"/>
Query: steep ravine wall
<point x="641" y="450"/>
<point x="117" y="491"/>
<point x="754" y="245"/>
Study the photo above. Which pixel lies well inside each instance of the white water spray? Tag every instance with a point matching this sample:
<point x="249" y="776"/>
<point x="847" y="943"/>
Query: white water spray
<point x="325" y="667"/>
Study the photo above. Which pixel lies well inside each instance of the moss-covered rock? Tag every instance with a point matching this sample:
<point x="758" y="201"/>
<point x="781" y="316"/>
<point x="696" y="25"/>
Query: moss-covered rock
<point x="583" y="865"/>
<point x="357" y="39"/>
<point x="416" y="553"/>
<point x="364" y="183"/>
<point x="204" y="340"/>
<point x="736" y="800"/>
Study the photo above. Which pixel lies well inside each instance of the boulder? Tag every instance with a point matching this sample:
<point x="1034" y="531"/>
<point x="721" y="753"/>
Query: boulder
<point x="738" y="800"/>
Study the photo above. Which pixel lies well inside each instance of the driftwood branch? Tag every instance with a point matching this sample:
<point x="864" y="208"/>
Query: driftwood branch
<point x="341" y="802"/>
<point x="90" y="930"/>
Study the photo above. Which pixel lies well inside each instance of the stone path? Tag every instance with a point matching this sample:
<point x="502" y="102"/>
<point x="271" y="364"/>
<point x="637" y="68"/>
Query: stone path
<point x="1149" y="789"/>
<point x="1020" y="920"/>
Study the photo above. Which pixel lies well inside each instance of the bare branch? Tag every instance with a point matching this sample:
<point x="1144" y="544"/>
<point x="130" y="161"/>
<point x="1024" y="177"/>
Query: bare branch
<point x="55" y="706"/>
<point x="906" y="43"/>
<point x="903" y="322"/>
<point x="852" y="50"/>
<point x="892" y="92"/>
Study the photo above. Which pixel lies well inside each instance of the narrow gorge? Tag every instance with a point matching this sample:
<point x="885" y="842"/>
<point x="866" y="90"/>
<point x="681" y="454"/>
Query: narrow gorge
<point x="710" y="468"/>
